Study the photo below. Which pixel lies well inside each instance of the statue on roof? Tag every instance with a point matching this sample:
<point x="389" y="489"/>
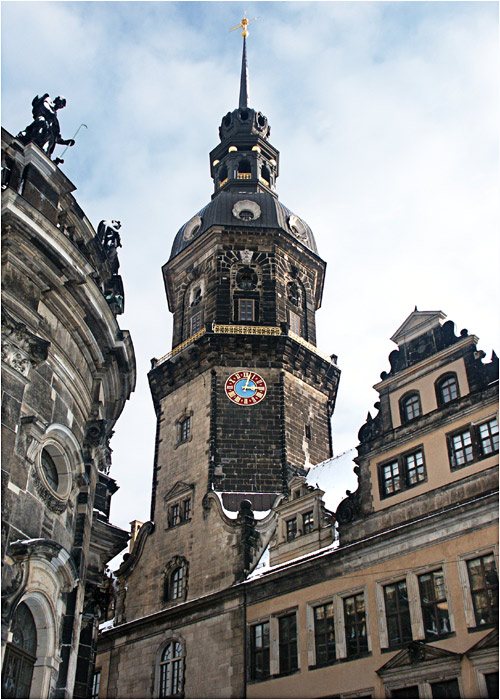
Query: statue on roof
<point x="45" y="130"/>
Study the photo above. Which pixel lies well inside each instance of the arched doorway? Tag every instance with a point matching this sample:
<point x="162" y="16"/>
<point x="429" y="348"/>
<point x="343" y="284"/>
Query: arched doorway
<point x="20" y="655"/>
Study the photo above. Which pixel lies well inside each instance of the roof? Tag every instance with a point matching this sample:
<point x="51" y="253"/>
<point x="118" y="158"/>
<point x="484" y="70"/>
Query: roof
<point x="219" y="212"/>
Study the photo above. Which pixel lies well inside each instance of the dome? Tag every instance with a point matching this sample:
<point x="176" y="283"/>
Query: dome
<point x="254" y="209"/>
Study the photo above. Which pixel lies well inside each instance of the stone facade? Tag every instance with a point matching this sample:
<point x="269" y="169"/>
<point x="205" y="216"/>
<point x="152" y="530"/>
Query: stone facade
<point x="67" y="370"/>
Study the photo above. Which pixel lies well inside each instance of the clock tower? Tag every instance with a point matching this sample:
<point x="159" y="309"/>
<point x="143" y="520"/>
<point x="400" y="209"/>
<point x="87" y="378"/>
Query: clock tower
<point x="244" y="398"/>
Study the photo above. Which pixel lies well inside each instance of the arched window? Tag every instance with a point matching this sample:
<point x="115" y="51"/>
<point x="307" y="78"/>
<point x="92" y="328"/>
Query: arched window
<point x="176" y="580"/>
<point x="171" y="670"/>
<point x="409" y="407"/>
<point x="244" y="170"/>
<point x="20" y="655"/>
<point x="447" y="389"/>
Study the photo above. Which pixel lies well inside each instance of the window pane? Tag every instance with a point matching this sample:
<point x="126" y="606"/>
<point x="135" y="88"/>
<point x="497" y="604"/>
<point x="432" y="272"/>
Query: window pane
<point x="445" y="689"/>
<point x="434" y="604"/>
<point x="488" y="436"/>
<point x="492" y="684"/>
<point x="410" y="691"/>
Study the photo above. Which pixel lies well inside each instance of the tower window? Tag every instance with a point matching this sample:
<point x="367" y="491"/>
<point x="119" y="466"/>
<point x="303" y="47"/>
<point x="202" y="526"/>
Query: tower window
<point x="265" y="176"/>
<point x="246" y="310"/>
<point x="246" y="215"/>
<point x="294" y="323"/>
<point x="308" y="432"/>
<point x="185" y="429"/>
<point x="176" y="583"/>
<point x="222" y="176"/>
<point x="244" y="170"/>
<point x="195" y="323"/>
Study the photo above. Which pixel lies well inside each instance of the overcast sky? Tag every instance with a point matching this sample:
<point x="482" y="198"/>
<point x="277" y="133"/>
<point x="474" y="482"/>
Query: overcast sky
<point x="386" y="118"/>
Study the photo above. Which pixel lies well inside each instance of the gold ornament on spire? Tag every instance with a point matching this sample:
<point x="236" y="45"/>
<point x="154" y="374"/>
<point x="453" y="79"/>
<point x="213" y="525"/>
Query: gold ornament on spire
<point x="244" y="24"/>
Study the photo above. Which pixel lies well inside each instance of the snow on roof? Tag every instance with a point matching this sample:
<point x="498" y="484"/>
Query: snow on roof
<point x="107" y="625"/>
<point x="233" y="514"/>
<point x="334" y="476"/>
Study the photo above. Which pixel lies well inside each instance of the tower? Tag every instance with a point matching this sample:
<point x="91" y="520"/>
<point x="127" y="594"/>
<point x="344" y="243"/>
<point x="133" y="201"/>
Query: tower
<point x="243" y="404"/>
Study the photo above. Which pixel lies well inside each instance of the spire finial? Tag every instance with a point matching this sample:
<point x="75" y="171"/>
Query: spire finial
<point x="243" y="104"/>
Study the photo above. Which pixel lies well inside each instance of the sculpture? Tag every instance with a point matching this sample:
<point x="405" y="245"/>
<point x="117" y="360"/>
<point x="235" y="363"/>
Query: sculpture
<point x="107" y="233"/>
<point x="45" y="130"/>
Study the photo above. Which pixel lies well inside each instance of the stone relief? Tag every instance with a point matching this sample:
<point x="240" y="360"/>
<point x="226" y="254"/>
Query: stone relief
<point x="21" y="349"/>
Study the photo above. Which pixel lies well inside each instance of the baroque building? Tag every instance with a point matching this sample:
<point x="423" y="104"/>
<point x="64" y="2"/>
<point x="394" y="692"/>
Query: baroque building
<point x="67" y="370"/>
<point x="243" y="583"/>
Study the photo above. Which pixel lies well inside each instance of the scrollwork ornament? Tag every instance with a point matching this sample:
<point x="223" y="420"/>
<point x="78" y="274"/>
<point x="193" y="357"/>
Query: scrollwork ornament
<point x="52" y="503"/>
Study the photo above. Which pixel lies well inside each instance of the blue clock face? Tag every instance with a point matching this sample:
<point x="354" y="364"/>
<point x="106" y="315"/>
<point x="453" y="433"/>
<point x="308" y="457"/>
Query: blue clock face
<point x="245" y="388"/>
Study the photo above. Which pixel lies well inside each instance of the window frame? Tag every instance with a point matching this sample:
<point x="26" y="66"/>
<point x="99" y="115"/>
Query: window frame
<point x="288" y="644"/>
<point x="160" y="664"/>
<point x="295" y="323"/>
<point x="438" y="388"/>
<point x="252" y="676"/>
<point x="359" y="653"/>
<point x="403" y="642"/>
<point x="291" y="533"/>
<point x="195" y="323"/>
<point x="476" y="442"/>
<point x="315" y="635"/>
<point x="434" y="603"/>
<point x="307" y="525"/>
<point x="251" y="302"/>
<point x="403" y="472"/>
<point x="470" y="617"/>
<point x="403" y="403"/>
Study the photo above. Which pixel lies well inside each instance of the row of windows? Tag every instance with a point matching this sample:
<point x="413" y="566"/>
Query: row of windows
<point x="446" y="389"/>
<point x="292" y="525"/>
<point x="470" y="443"/>
<point x="340" y="624"/>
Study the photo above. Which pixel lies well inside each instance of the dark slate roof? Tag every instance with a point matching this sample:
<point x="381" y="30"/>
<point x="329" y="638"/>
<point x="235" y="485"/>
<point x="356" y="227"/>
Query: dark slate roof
<point x="219" y="212"/>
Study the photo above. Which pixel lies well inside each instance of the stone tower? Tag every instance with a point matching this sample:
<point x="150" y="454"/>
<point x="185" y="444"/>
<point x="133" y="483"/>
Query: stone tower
<point x="243" y="400"/>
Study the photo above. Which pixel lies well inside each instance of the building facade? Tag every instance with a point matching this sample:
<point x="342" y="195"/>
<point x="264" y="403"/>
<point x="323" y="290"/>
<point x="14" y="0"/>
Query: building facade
<point x="393" y="595"/>
<point x="67" y="370"/>
<point x="405" y="604"/>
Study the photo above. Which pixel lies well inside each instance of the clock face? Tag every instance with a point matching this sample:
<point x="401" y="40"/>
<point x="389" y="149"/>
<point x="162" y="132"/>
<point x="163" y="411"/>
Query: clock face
<point x="245" y="388"/>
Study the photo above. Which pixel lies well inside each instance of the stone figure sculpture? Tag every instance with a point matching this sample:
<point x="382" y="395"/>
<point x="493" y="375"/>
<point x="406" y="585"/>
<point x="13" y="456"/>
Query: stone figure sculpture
<point x="108" y="235"/>
<point x="45" y="130"/>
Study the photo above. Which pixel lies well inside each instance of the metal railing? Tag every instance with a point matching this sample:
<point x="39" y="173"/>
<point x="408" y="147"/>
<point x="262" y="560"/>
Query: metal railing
<point x="246" y="330"/>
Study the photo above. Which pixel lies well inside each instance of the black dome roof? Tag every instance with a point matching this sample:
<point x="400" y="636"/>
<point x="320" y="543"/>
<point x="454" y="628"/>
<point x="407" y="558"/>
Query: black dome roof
<point x="251" y="209"/>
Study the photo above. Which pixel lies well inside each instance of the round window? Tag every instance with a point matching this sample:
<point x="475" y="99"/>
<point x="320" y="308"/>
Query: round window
<point x="49" y="470"/>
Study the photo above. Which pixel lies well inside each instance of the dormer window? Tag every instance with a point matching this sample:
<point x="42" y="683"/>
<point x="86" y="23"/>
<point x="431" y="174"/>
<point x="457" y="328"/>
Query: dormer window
<point x="307" y="522"/>
<point x="409" y="407"/>
<point x="291" y="529"/>
<point x="447" y="389"/>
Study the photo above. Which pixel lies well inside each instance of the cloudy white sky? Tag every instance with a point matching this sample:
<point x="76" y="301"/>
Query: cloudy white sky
<point x="386" y="117"/>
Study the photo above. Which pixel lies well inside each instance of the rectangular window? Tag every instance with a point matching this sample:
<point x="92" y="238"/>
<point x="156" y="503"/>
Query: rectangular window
<point x="488" y="437"/>
<point x="288" y="643"/>
<point x="96" y="684"/>
<point x="259" y="651"/>
<point x="195" y="323"/>
<point x="397" y="611"/>
<point x="291" y="529"/>
<point x="491" y="680"/>
<point x="308" y="522"/>
<point x="445" y="689"/>
<point x="414" y="468"/>
<point x="355" y="625"/>
<point x="401" y="473"/>
<point x="390" y="478"/>
<point x="307" y="429"/>
<point x="483" y="580"/>
<point x="434" y="604"/>
<point x="187" y="509"/>
<point x="460" y="449"/>
<point x="294" y="323"/>
<point x="175" y="515"/>
<point x="185" y="429"/>
<point x="324" y="634"/>
<point x="246" y="310"/>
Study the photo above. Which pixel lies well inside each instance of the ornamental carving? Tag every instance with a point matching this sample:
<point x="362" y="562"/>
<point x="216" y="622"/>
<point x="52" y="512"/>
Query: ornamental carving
<point x="21" y="349"/>
<point x="52" y="503"/>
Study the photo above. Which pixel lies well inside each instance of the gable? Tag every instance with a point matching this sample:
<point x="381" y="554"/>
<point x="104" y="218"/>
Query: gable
<point x="417" y="323"/>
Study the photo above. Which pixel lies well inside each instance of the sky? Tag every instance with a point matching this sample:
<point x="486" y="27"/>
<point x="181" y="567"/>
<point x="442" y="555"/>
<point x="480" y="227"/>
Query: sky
<point x="386" y="118"/>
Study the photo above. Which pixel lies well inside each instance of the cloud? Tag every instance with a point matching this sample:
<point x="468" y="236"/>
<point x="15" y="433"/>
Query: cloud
<point x="386" y="116"/>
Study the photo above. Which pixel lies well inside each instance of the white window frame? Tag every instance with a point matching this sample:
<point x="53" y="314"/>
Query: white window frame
<point x="310" y="637"/>
<point x="463" y="573"/>
<point x="381" y="609"/>
<point x="339" y="622"/>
